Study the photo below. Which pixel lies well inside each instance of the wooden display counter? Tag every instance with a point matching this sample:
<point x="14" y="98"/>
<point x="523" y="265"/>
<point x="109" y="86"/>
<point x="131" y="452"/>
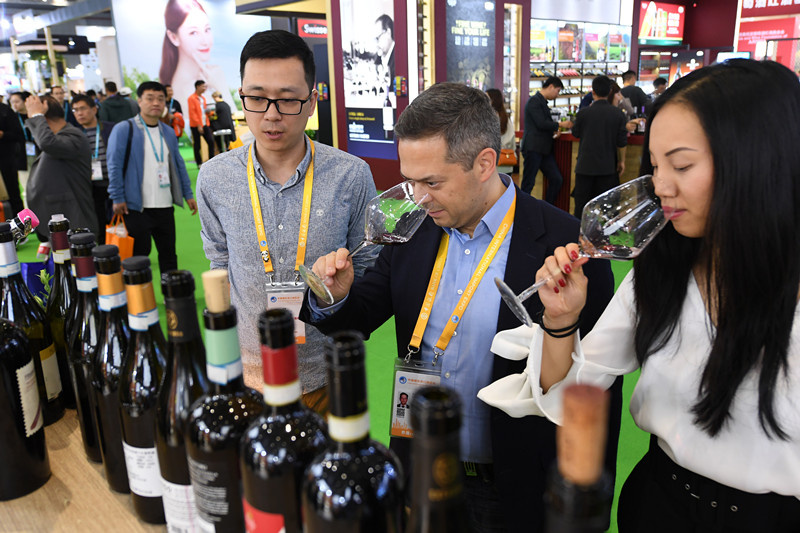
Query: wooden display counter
<point x="565" y="150"/>
<point x="76" y="498"/>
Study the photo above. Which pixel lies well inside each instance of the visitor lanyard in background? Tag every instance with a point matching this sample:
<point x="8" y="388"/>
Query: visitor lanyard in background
<point x="305" y="214"/>
<point x="472" y="286"/>
<point x="160" y="138"/>
<point x="25" y="131"/>
<point x="170" y="104"/>
<point x="66" y="108"/>
<point x="97" y="143"/>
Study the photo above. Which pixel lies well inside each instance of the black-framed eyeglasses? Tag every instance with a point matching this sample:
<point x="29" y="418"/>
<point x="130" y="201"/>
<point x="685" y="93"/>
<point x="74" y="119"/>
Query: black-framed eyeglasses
<point x="285" y="106"/>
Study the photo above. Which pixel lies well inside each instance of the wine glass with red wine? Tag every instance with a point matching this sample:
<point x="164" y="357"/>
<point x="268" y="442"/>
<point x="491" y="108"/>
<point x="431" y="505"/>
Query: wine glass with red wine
<point x="618" y="224"/>
<point x="390" y="218"/>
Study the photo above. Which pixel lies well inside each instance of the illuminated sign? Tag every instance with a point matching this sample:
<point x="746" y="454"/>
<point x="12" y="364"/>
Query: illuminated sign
<point x="660" y="23"/>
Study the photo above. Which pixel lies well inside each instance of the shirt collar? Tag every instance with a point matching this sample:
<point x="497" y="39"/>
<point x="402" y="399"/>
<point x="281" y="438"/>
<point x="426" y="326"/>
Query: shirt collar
<point x="494" y="216"/>
<point x="301" y="168"/>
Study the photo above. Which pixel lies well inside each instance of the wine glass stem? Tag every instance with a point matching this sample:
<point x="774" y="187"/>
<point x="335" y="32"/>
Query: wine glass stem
<point x="357" y="248"/>
<point x="533" y="289"/>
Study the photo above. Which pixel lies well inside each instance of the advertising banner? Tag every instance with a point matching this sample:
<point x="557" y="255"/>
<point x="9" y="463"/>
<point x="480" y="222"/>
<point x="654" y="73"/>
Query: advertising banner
<point x="619" y="43"/>
<point x="570" y="41"/>
<point x="470" y="42"/>
<point x="543" y="40"/>
<point x="769" y="8"/>
<point x="682" y="64"/>
<point x="178" y="42"/>
<point x="368" y="59"/>
<point x="660" y="23"/>
<point x="596" y="42"/>
<point x="770" y="39"/>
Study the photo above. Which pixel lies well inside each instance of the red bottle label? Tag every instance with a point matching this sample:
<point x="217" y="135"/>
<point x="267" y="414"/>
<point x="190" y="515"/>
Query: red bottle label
<point x="280" y="366"/>
<point x="257" y="521"/>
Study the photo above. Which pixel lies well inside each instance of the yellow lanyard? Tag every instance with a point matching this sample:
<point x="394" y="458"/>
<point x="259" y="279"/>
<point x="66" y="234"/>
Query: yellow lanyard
<point x="436" y="277"/>
<point x="305" y="214"/>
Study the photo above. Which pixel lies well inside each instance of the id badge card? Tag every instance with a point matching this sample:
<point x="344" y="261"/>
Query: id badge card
<point x="408" y="379"/>
<point x="163" y="175"/>
<point x="97" y="170"/>
<point x="30" y="148"/>
<point x="289" y="295"/>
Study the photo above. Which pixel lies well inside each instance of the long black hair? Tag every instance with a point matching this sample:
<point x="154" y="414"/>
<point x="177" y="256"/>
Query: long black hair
<point x="750" y="252"/>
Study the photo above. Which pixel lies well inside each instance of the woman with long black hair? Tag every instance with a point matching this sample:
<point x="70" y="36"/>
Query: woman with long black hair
<point x="709" y="313"/>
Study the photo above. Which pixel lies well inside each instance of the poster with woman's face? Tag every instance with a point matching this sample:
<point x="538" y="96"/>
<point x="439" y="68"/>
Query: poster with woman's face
<point x="179" y="42"/>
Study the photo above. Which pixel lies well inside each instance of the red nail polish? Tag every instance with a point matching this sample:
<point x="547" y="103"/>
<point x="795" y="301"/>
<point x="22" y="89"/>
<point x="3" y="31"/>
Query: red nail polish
<point x="567" y="269"/>
<point x="562" y="283"/>
<point x="555" y="289"/>
<point x="574" y="255"/>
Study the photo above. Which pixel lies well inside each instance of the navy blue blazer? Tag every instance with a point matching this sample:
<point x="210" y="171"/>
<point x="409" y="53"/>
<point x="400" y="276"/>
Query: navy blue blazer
<point x="523" y="449"/>
<point x="539" y="126"/>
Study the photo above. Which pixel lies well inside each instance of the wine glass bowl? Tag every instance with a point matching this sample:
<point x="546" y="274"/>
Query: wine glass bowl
<point x="390" y="218"/>
<point x="617" y="224"/>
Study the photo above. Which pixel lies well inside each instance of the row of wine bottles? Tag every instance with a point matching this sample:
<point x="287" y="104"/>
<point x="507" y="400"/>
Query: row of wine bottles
<point x="173" y="422"/>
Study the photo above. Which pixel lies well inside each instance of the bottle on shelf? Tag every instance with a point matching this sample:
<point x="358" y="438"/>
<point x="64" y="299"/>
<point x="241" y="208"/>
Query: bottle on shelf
<point x="61" y="301"/>
<point x="19" y="306"/>
<point x="142" y="372"/>
<point x="184" y="382"/>
<point x="26" y="465"/>
<point x="388" y="116"/>
<point x="579" y="492"/>
<point x="280" y="443"/>
<point x="437" y="492"/>
<point x="218" y="420"/>
<point x="356" y="485"/>
<point x="83" y="341"/>
<point x="112" y="343"/>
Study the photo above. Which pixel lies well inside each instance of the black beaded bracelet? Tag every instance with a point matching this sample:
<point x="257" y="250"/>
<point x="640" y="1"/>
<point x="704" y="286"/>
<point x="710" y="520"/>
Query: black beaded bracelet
<point x="558" y="333"/>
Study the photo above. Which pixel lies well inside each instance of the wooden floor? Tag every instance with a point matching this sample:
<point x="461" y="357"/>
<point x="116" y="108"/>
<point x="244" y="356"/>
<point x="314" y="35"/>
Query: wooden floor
<point x="76" y="498"/>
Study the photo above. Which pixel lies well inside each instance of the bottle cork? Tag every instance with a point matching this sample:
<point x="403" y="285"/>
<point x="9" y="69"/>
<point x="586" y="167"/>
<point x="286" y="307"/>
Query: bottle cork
<point x="217" y="290"/>
<point x="581" y="439"/>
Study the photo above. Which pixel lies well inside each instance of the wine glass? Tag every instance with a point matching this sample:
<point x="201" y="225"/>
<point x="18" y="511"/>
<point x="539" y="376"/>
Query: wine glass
<point x="390" y="218"/>
<point x="618" y="224"/>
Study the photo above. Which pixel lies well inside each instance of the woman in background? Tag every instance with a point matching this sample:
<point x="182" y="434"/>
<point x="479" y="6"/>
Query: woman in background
<point x="508" y="139"/>
<point x="186" y="53"/>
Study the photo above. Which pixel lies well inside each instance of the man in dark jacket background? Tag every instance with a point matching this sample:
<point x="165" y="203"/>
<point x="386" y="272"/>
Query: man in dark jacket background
<point x="115" y="108"/>
<point x="12" y="145"/>
<point x="537" y="141"/>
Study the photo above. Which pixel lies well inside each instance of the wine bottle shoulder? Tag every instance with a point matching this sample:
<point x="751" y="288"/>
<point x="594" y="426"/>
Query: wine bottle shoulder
<point x="274" y="442"/>
<point x="216" y="418"/>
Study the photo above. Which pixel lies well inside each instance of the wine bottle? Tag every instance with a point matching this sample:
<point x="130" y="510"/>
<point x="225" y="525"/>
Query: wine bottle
<point x="19" y="306"/>
<point x="112" y="343"/>
<point x="142" y="372"/>
<point x="60" y="302"/>
<point x="388" y="117"/>
<point x="356" y="485"/>
<point x="26" y="466"/>
<point x="437" y="492"/>
<point x="218" y="420"/>
<point x="184" y="382"/>
<point x="83" y="340"/>
<point x="579" y="492"/>
<point x="281" y="442"/>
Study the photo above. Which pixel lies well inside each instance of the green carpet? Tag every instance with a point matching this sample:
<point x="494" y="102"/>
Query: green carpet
<point x="380" y="347"/>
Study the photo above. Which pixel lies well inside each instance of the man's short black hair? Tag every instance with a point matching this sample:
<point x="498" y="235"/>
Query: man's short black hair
<point x="658" y="82"/>
<point x="85" y="98"/>
<point x="386" y="24"/>
<point x="150" y="86"/>
<point x="54" y="109"/>
<point x="628" y="74"/>
<point x="111" y="87"/>
<point x="91" y="93"/>
<point x="553" y="80"/>
<point x="198" y="83"/>
<point x="601" y="86"/>
<point x="279" y="44"/>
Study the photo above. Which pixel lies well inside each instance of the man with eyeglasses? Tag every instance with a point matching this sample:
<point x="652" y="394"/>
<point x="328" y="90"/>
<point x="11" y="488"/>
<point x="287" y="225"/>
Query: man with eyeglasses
<point x="58" y="92"/>
<point x="84" y="109"/>
<point x="261" y="238"/>
<point x="147" y="175"/>
<point x="384" y="28"/>
<point x="199" y="121"/>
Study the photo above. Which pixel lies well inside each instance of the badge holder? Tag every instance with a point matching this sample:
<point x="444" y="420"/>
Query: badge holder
<point x="410" y="375"/>
<point x="97" y="170"/>
<point x="288" y="295"/>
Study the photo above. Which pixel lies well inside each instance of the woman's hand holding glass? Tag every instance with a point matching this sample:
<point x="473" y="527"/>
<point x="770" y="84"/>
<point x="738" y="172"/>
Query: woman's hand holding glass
<point x="565" y="293"/>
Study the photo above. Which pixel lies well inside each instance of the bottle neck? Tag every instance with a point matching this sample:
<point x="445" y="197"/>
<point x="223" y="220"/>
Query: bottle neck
<point x="142" y="310"/>
<point x="437" y="476"/>
<point x="281" y="382"/>
<point x="60" y="244"/>
<point x="223" y="358"/>
<point x="111" y="291"/>
<point x="9" y="262"/>
<point x="182" y="324"/>
<point x="348" y="420"/>
<point x="84" y="273"/>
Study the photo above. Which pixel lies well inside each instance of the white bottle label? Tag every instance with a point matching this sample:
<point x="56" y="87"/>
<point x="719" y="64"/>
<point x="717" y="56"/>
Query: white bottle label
<point x="59" y="256"/>
<point x="29" y="398"/>
<point x="52" y="379"/>
<point x="10" y="269"/>
<point x="107" y="302"/>
<point x="86" y="284"/>
<point x="144" y="476"/>
<point x="179" y="507"/>
<point x="143" y="321"/>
